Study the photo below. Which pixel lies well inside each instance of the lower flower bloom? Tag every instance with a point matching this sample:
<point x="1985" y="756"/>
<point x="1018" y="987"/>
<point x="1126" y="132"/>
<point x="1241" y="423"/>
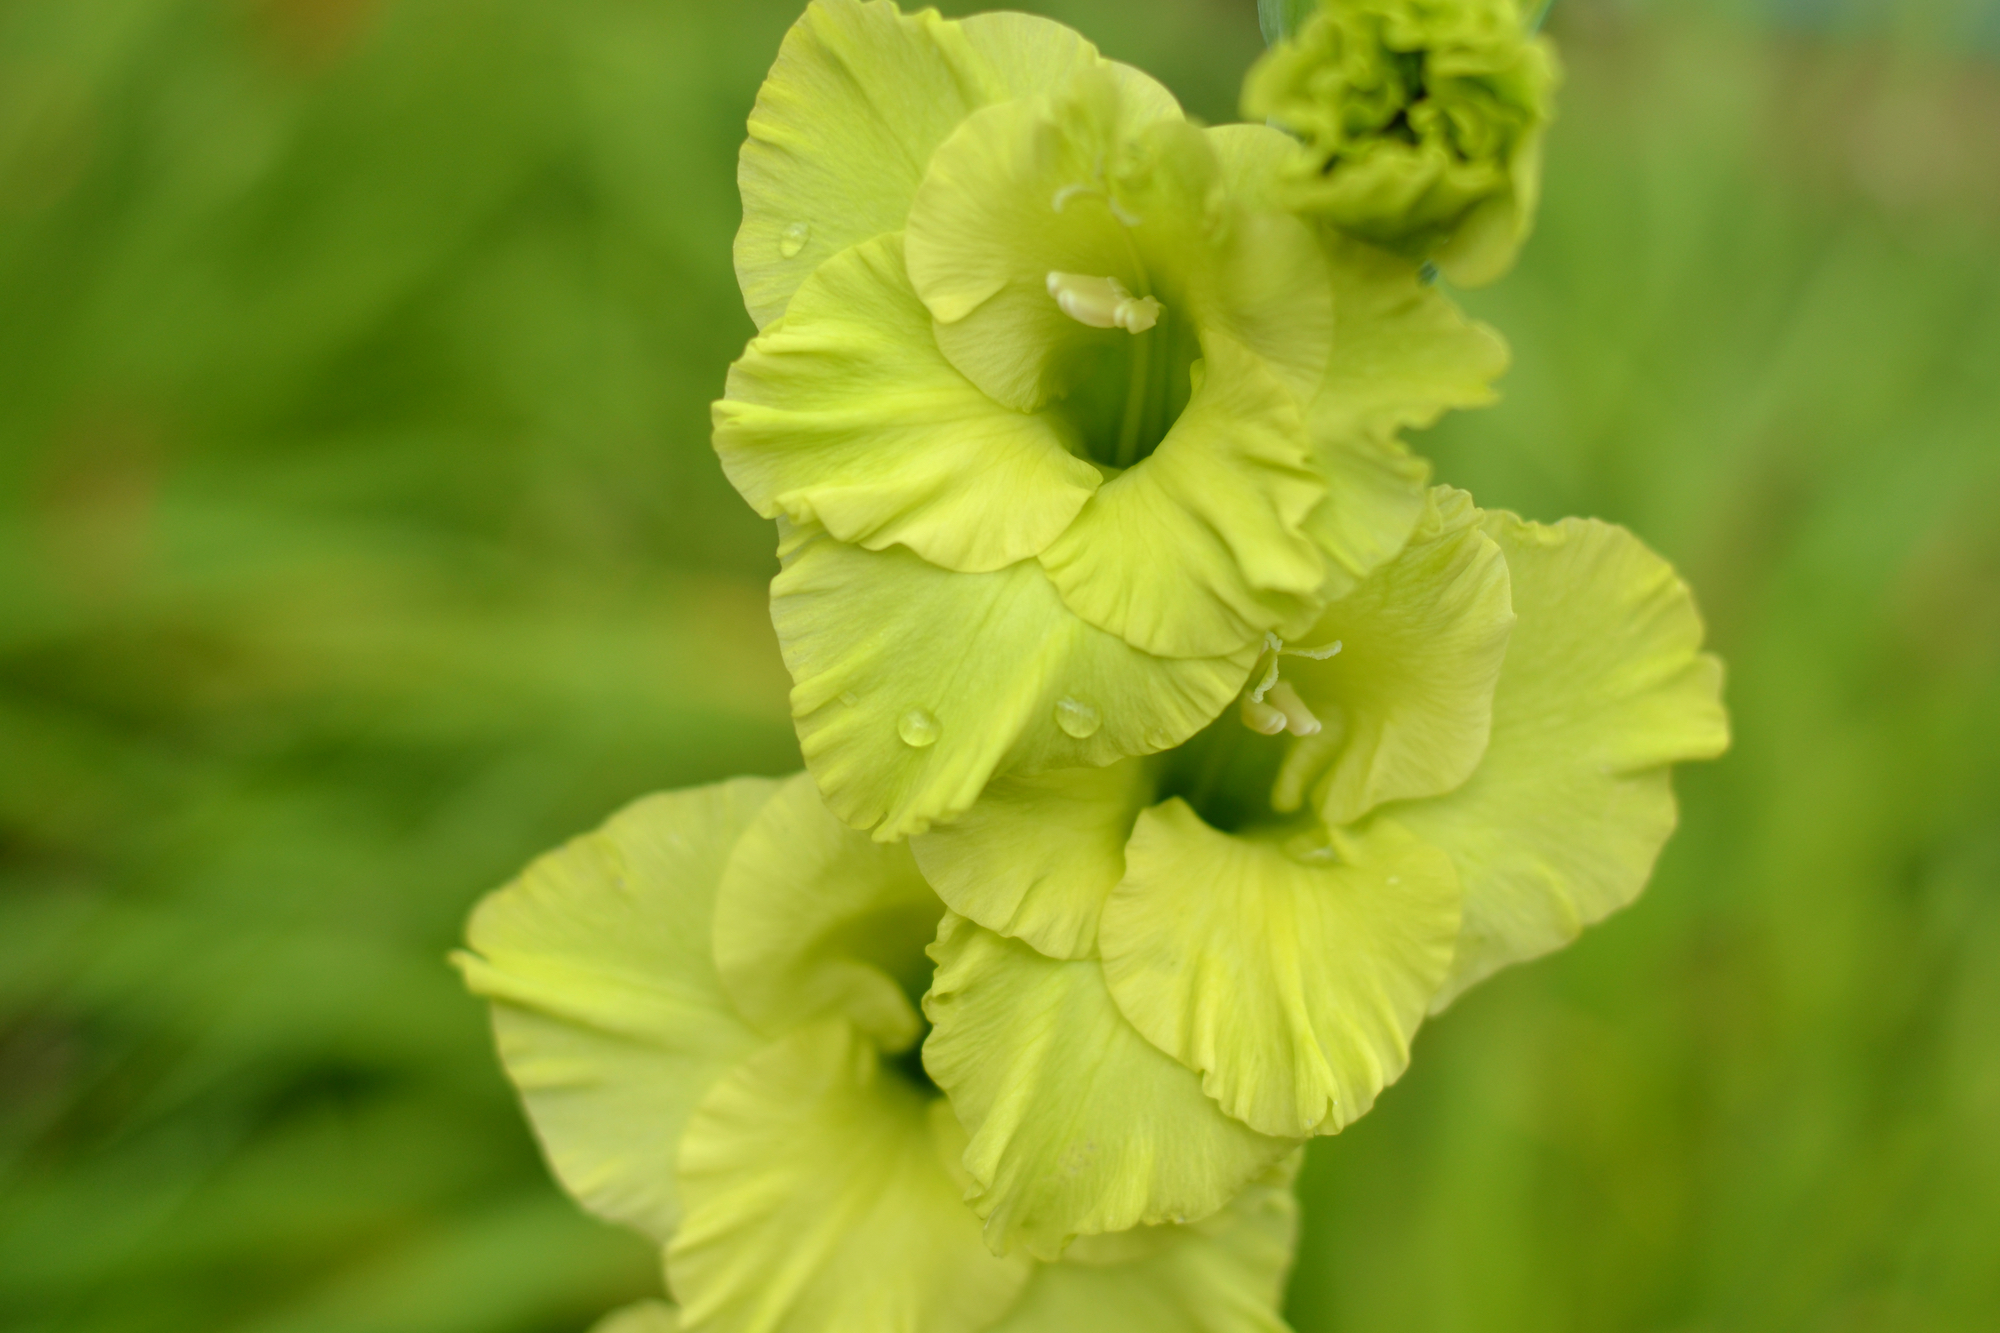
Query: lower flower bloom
<point x="707" y="1008"/>
<point x="1462" y="765"/>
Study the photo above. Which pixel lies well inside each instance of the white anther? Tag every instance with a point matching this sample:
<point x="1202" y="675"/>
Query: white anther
<point x="1298" y="718"/>
<point x="1103" y="303"/>
<point x="1260" y="717"/>
<point x="1316" y="654"/>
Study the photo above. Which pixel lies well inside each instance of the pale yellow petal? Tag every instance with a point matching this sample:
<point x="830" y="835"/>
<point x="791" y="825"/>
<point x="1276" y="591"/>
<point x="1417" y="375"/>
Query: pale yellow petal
<point x="1038" y="854"/>
<point x="1408" y="699"/>
<point x="1200" y="548"/>
<point x="1225" y="1274"/>
<point x="814" y="918"/>
<point x="818" y="1199"/>
<point x="913" y="685"/>
<point x="1604" y="685"/>
<point x="846" y="414"/>
<point x="1077" y="1124"/>
<point x="846" y="121"/>
<point x="1294" y="987"/>
<point x="608" y="1011"/>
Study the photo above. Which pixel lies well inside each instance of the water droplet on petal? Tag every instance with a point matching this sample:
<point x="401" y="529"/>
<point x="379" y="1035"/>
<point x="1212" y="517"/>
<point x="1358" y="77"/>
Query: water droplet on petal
<point x="918" y="728"/>
<point x="1077" y="718"/>
<point x="793" y="239"/>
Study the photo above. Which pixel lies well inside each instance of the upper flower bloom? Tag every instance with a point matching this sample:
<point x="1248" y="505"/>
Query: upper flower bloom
<point x="706" y="1006"/>
<point x="1464" y="763"/>
<point x="1051" y="399"/>
<point x="1420" y="123"/>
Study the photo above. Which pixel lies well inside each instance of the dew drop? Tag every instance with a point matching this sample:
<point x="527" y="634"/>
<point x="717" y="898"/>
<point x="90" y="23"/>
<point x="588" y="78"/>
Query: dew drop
<point x="918" y="728"/>
<point x="1077" y="718"/>
<point x="793" y="239"/>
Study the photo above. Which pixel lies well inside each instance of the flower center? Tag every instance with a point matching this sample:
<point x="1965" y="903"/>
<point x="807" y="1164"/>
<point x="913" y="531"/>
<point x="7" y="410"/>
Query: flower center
<point x="1103" y="303"/>
<point x="1127" y="391"/>
<point x="1226" y="772"/>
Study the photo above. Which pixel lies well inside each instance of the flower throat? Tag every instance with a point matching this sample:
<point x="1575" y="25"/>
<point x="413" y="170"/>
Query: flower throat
<point x="1128" y="386"/>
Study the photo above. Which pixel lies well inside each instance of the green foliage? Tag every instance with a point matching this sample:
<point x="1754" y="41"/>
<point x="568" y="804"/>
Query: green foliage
<point x="360" y="538"/>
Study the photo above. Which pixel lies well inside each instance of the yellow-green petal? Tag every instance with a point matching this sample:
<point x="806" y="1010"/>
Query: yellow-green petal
<point x="642" y="1317"/>
<point x="1604" y="685"/>
<point x="1404" y="353"/>
<point x="1038" y="855"/>
<point x="858" y="99"/>
<point x="913" y="685"/>
<point x="1200" y="548"/>
<point x="1077" y="1124"/>
<point x="1020" y="190"/>
<point x="1408" y="700"/>
<point x="818" y="1198"/>
<point x="608" y="1012"/>
<point x="813" y="918"/>
<point x="845" y="414"/>
<point x="1294" y="988"/>
<point x="1224" y="1274"/>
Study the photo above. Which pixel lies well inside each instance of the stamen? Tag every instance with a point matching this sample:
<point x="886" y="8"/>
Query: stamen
<point x="1103" y="303"/>
<point x="1298" y="718"/>
<point x="1273" y="645"/>
<point x="1261" y="718"/>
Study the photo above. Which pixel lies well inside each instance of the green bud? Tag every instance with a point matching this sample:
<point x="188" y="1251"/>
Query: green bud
<point x="1420" y="125"/>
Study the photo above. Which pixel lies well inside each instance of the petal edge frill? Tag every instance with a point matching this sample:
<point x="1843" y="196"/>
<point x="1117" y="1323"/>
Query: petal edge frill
<point x="846" y="414"/>
<point x="606" y="1005"/>
<point x="1409" y="698"/>
<point x="1037" y="855"/>
<point x="914" y="685"/>
<point x="813" y="919"/>
<point x="817" y="1198"/>
<point x="858" y="99"/>
<point x="1200" y="549"/>
<point x="1295" y="989"/>
<point x="1603" y="686"/>
<point x="1077" y="1124"/>
<point x="1225" y="1274"/>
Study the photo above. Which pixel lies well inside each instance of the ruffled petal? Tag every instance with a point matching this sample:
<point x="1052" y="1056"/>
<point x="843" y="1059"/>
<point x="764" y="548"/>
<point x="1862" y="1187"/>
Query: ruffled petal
<point x="813" y="918"/>
<point x="846" y="414"/>
<point x="1603" y="686"/>
<point x="858" y="99"/>
<point x="1200" y="549"/>
<point x="1269" y="285"/>
<point x="818" y="1198"/>
<point x="1018" y="191"/>
<point x="1037" y="856"/>
<point x="1408" y="699"/>
<point x="1077" y="1125"/>
<point x="1403" y="355"/>
<point x="914" y="685"/>
<point x="1224" y="1274"/>
<point x="608" y="1011"/>
<point x="1295" y="989"/>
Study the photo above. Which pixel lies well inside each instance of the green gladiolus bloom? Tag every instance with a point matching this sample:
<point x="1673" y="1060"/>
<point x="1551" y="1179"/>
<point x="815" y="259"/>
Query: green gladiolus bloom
<point x="1061" y="412"/>
<point x="1463" y="763"/>
<point x="706" y="1007"/>
<point x="1420" y="124"/>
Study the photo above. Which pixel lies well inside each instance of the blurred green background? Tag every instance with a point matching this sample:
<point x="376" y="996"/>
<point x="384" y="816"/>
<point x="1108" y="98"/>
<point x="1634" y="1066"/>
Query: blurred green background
<point x="359" y="538"/>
